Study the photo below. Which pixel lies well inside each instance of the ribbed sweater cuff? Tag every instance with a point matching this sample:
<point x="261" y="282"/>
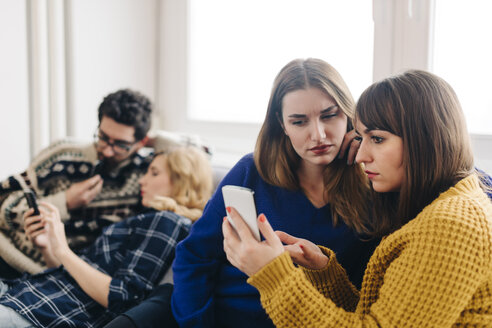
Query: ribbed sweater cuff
<point x="272" y="275"/>
<point x="326" y="275"/>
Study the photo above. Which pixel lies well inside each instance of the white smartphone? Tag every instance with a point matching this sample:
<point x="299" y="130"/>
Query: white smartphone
<point x="241" y="198"/>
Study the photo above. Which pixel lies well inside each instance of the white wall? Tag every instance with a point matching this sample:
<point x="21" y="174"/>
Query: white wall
<point x="482" y="149"/>
<point x="14" y="124"/>
<point x="60" y="58"/>
<point x="113" y="46"/>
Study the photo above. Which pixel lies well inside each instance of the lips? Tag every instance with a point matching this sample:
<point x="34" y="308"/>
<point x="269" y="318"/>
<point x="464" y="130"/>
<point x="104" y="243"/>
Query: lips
<point x="370" y="174"/>
<point x="321" y="149"/>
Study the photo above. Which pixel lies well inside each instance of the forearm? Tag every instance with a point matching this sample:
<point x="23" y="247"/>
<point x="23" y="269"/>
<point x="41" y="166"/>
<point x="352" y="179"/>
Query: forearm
<point x="333" y="282"/>
<point x="49" y="258"/>
<point x="284" y="288"/>
<point x="92" y="281"/>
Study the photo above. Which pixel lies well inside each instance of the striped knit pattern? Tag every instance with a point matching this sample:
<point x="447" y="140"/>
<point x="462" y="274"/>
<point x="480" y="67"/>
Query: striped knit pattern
<point x="436" y="271"/>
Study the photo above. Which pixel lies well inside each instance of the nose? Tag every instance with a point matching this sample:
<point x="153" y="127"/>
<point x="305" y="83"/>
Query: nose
<point x="318" y="131"/>
<point x="141" y="180"/>
<point x="363" y="155"/>
<point x="108" y="151"/>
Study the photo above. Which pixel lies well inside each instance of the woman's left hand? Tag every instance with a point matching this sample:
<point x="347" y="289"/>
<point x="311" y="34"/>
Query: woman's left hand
<point x="352" y="144"/>
<point x="303" y="252"/>
<point x="243" y="250"/>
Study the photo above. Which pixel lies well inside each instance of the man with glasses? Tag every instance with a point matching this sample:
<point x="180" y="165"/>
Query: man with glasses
<point x="92" y="184"/>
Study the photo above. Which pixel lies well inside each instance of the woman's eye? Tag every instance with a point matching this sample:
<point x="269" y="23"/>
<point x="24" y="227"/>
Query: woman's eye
<point x="358" y="138"/>
<point x="377" y="139"/>
<point x="299" y="122"/>
<point x="328" y="116"/>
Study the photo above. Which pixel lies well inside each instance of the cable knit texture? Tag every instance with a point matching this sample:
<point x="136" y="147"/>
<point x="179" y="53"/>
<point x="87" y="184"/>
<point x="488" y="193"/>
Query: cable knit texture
<point x="436" y="271"/>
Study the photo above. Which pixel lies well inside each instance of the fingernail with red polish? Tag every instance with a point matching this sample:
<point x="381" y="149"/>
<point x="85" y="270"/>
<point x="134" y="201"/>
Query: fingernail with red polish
<point x="262" y="218"/>
<point x="225" y="218"/>
<point x="228" y="209"/>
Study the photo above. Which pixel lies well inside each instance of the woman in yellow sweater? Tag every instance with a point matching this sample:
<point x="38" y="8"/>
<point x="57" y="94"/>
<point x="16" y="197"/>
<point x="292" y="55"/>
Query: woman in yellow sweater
<point x="433" y="267"/>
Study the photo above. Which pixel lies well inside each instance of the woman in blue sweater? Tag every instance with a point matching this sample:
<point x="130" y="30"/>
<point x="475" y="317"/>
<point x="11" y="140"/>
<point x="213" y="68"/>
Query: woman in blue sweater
<point x="300" y="184"/>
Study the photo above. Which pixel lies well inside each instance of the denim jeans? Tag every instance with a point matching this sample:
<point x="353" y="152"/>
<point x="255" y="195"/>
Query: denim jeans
<point x="8" y="317"/>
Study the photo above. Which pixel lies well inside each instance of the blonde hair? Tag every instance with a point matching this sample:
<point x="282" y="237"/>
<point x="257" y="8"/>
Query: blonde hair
<point x="191" y="179"/>
<point x="346" y="187"/>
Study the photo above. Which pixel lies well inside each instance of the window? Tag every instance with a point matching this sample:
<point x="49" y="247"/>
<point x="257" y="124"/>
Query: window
<point x="462" y="56"/>
<point x="218" y="58"/>
<point x="236" y="48"/>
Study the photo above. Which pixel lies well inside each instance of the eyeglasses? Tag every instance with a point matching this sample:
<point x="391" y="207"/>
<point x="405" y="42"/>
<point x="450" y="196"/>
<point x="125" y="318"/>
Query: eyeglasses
<point x="119" y="147"/>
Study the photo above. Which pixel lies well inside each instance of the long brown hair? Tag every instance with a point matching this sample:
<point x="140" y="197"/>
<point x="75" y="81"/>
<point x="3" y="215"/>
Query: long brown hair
<point x="424" y="111"/>
<point x="277" y="161"/>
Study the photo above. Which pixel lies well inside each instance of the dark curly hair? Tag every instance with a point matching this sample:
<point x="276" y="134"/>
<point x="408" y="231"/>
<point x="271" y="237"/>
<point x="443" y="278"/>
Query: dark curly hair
<point x="130" y="108"/>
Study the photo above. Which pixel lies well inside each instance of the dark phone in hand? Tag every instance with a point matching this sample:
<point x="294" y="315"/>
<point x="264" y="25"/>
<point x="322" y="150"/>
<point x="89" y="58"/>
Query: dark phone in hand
<point x="31" y="201"/>
<point x="97" y="168"/>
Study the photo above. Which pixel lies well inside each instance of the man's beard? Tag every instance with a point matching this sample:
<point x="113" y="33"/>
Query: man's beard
<point x="108" y="164"/>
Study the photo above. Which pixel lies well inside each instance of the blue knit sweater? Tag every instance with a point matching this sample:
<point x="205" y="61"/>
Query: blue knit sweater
<point x="210" y="292"/>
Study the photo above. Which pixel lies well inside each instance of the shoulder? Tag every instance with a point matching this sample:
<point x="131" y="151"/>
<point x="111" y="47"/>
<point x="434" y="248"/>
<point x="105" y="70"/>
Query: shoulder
<point x="461" y="217"/>
<point x="154" y="221"/>
<point x="246" y="163"/>
<point x="243" y="173"/>
<point x="455" y="213"/>
<point x="464" y="202"/>
<point x="161" y="217"/>
<point x="67" y="149"/>
<point x="67" y="144"/>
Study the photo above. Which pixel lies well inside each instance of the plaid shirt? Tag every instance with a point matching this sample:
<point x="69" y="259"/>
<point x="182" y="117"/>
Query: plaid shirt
<point x="135" y="252"/>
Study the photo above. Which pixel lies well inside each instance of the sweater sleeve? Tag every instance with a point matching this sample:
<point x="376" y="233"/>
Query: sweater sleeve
<point x="430" y="280"/>
<point x="48" y="161"/>
<point x="199" y="259"/>
<point x="292" y="301"/>
<point x="195" y="270"/>
<point x="333" y="282"/>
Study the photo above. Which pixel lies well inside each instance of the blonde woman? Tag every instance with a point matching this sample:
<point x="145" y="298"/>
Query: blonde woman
<point x="178" y="181"/>
<point x="121" y="268"/>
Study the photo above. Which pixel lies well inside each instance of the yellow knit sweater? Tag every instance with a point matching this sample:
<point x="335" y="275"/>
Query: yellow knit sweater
<point x="436" y="271"/>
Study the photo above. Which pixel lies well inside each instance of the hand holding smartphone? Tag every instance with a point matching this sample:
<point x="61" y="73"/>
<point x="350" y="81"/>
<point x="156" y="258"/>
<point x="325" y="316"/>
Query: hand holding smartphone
<point x="241" y="198"/>
<point x="31" y="201"/>
<point x="97" y="168"/>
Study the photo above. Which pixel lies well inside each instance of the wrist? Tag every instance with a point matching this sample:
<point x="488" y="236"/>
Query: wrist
<point x="323" y="262"/>
<point x="63" y="254"/>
